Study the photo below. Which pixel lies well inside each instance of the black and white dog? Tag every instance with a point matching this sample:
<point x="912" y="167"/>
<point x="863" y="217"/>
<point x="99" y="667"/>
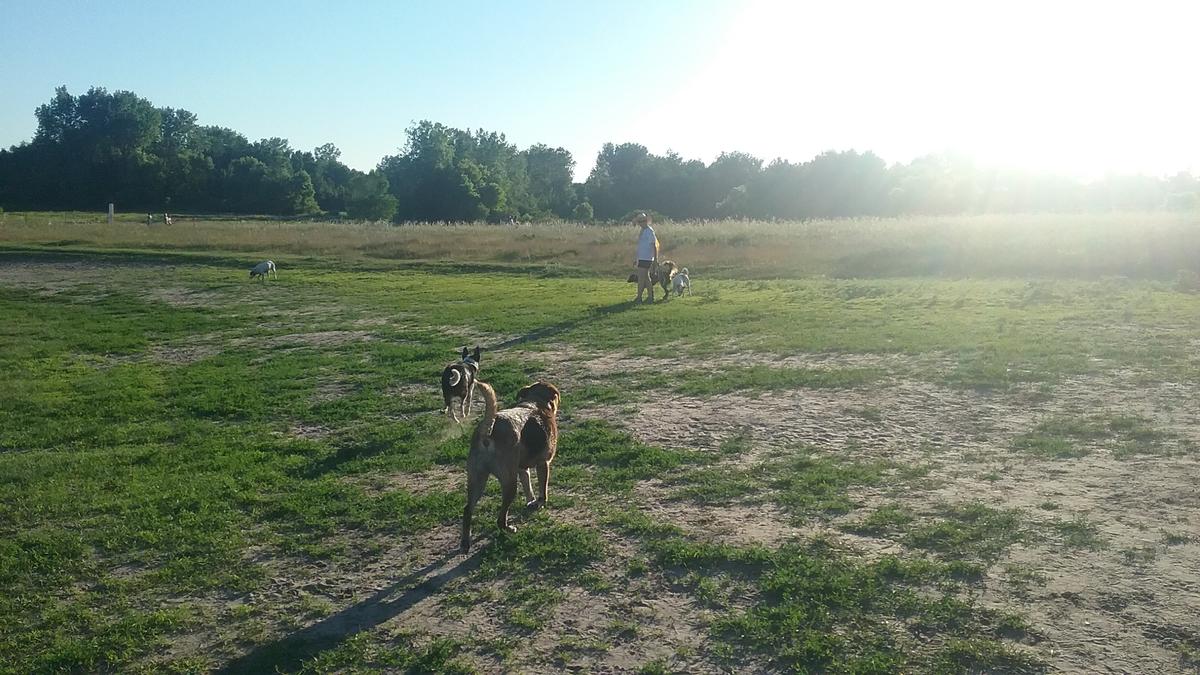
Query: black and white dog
<point x="458" y="381"/>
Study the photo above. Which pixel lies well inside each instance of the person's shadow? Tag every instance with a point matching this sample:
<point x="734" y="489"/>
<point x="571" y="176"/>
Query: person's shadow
<point x="290" y="652"/>
<point x="564" y="326"/>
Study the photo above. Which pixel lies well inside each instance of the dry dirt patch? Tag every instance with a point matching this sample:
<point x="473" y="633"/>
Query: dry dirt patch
<point x="1128" y="606"/>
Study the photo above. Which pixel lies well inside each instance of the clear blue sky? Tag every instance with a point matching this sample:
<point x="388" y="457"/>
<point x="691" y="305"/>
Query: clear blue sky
<point x="1071" y="86"/>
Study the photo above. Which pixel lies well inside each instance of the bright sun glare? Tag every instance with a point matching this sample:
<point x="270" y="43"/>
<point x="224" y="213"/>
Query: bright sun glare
<point x="1072" y="87"/>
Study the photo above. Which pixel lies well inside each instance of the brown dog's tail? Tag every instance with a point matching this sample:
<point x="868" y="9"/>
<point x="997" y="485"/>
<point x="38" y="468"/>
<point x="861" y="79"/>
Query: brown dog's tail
<point x="484" y="430"/>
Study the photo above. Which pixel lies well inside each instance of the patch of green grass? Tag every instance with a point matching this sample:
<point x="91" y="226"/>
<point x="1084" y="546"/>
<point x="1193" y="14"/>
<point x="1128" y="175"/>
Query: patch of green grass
<point x="1021" y="578"/>
<point x="542" y="547"/>
<point x="1079" y="532"/>
<point x="365" y="652"/>
<point x="1061" y="438"/>
<point x="530" y="605"/>
<point x="888" y="519"/>
<point x="622" y="629"/>
<point x="596" y="393"/>
<point x="686" y="554"/>
<point x="613" y="459"/>
<point x="1136" y="435"/>
<point x="737" y="444"/>
<point x="637" y="523"/>
<point x="718" y="485"/>
<point x="1176" y="538"/>
<point x="313" y="606"/>
<point x="571" y="647"/>
<point x="636" y="567"/>
<point x="1055" y="440"/>
<point x="971" y="530"/>
<point x="974" y="655"/>
<point x="816" y="609"/>
<point x="807" y="486"/>
<point x="992" y="370"/>
<point x="655" y="667"/>
<point x="595" y="582"/>
<point x="535" y="562"/>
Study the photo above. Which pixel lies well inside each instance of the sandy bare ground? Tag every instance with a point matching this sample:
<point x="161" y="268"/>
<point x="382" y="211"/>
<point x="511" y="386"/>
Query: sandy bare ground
<point x="1127" y="607"/>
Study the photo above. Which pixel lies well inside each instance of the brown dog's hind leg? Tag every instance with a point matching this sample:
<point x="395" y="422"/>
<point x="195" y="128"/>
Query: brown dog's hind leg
<point x="523" y="476"/>
<point x="508" y="489"/>
<point x="476" y="482"/>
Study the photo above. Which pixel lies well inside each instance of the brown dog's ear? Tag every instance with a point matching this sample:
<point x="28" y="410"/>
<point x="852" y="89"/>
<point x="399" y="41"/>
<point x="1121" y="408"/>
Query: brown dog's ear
<point x="476" y="355"/>
<point x="542" y="393"/>
<point x="464" y="352"/>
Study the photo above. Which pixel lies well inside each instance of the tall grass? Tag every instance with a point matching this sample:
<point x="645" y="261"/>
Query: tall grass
<point x="1151" y="245"/>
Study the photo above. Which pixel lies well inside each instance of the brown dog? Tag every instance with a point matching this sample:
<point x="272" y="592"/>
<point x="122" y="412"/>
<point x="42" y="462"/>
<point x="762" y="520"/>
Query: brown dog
<point x="507" y="444"/>
<point x="663" y="273"/>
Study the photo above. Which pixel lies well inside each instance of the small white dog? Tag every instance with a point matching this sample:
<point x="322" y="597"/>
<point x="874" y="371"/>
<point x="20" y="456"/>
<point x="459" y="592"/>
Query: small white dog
<point x="264" y="269"/>
<point x="681" y="282"/>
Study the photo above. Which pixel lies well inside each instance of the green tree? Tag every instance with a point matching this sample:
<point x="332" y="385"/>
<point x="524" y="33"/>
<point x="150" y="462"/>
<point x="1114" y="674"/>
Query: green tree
<point x="369" y="198"/>
<point x="550" y="172"/>
<point x="302" y="198"/>
<point x="583" y="212"/>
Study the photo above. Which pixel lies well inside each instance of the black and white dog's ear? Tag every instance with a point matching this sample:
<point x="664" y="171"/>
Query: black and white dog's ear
<point x="464" y="352"/>
<point x="476" y="355"/>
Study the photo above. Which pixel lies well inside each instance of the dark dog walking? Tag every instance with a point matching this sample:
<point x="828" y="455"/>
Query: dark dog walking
<point x="458" y="382"/>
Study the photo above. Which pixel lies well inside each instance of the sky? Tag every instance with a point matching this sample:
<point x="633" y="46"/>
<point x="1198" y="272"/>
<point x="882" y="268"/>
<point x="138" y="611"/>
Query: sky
<point x="1079" y="88"/>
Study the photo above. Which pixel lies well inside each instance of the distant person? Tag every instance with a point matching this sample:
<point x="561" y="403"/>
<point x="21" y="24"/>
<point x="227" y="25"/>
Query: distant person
<point x="647" y="253"/>
<point x="167" y="219"/>
<point x="149" y="219"/>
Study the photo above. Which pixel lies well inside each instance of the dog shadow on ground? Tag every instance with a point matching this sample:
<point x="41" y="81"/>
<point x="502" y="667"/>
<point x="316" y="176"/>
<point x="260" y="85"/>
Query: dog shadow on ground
<point x="564" y="326"/>
<point x="289" y="653"/>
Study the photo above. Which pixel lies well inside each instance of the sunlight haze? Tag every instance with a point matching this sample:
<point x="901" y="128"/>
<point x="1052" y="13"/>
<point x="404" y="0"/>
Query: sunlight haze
<point x="1081" y="88"/>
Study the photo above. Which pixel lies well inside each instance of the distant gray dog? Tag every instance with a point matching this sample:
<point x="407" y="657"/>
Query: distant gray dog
<point x="263" y="269"/>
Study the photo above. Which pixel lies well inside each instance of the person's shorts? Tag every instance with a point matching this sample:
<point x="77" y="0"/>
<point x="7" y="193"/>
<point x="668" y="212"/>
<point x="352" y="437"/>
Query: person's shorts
<point x="645" y="264"/>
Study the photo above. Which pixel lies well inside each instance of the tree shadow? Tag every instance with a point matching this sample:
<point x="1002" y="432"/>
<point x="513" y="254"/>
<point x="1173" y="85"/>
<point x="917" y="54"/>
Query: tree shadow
<point x="555" y="329"/>
<point x="289" y="653"/>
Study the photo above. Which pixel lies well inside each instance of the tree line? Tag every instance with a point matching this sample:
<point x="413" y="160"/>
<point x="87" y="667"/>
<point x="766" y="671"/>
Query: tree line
<point x="102" y="147"/>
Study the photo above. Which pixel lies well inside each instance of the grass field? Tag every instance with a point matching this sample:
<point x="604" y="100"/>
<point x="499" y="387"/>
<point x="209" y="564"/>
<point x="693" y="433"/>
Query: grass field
<point x="904" y="471"/>
<point x="1163" y="246"/>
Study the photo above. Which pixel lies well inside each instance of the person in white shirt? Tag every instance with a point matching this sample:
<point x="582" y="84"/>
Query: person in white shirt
<point x="647" y="253"/>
